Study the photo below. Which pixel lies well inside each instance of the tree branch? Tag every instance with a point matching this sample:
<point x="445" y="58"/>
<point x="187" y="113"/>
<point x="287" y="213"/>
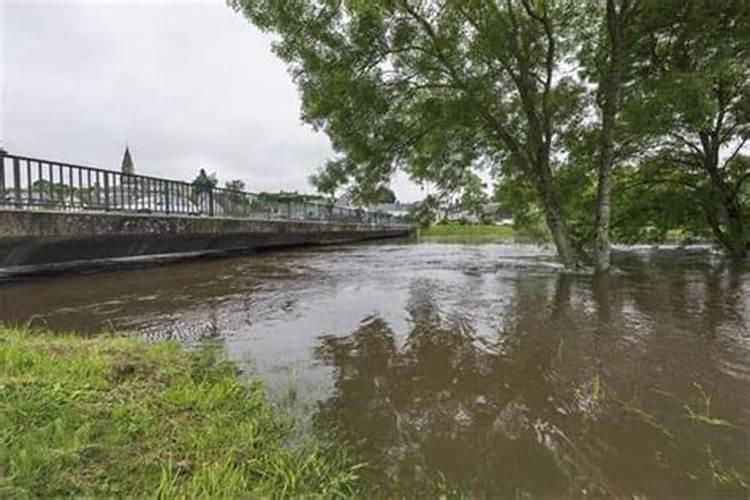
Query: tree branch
<point x="505" y="135"/>
<point x="735" y="152"/>
<point x="698" y="150"/>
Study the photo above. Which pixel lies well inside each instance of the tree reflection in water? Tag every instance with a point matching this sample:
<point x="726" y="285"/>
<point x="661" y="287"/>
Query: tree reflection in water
<point x="483" y="367"/>
<point x="584" y="390"/>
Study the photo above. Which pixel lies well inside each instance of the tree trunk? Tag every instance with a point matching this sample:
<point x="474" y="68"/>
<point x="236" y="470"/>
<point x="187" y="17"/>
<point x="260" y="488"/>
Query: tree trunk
<point x="735" y="233"/>
<point x="733" y="236"/>
<point x="555" y="219"/>
<point x="602" y="248"/>
<point x="609" y="89"/>
<point x="715" y="225"/>
<point x="560" y="234"/>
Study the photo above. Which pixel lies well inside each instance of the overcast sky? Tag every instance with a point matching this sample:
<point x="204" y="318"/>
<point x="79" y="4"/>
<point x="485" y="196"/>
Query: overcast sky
<point x="187" y="84"/>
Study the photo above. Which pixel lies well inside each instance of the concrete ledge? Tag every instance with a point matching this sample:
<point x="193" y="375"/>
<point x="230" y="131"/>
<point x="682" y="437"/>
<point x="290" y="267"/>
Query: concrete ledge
<point x="34" y="238"/>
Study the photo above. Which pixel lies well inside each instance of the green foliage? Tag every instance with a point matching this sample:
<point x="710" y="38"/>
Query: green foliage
<point x="651" y="203"/>
<point x="234" y="199"/>
<point x="445" y="90"/>
<point x="59" y="191"/>
<point x="236" y="185"/>
<point x="114" y="416"/>
<point x="473" y="195"/>
<point x="652" y="200"/>
<point x="427" y="88"/>
<point x="381" y="194"/>
<point x="385" y="195"/>
<point x="690" y="109"/>
<point x="424" y="213"/>
<point x="518" y="197"/>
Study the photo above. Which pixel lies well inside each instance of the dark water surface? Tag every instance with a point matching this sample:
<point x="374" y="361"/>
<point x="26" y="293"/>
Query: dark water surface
<point x="476" y="367"/>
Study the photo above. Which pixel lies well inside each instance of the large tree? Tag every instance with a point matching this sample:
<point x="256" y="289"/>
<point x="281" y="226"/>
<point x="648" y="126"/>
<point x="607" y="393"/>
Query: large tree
<point x="550" y="95"/>
<point x="436" y="88"/>
<point x="693" y="103"/>
<point x="615" y="62"/>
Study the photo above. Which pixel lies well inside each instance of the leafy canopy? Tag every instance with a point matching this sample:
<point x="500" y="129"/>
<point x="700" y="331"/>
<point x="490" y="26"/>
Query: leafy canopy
<point x="437" y="89"/>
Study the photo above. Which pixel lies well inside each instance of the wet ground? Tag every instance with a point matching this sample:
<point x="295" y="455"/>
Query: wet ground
<point x="480" y="368"/>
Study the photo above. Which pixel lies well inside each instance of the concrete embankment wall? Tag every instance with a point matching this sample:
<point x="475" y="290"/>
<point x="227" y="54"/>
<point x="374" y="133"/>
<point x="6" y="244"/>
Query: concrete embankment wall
<point x="39" y="238"/>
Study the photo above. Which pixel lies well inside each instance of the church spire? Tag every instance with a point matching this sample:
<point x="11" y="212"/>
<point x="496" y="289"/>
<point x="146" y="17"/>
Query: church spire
<point x="127" y="162"/>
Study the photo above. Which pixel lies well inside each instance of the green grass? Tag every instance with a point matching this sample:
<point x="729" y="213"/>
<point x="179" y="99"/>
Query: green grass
<point x="468" y="233"/>
<point x="115" y="416"/>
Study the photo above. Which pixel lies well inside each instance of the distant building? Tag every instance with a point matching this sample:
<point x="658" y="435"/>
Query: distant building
<point x="487" y="213"/>
<point x="125" y="191"/>
<point x="127" y="163"/>
<point x="395" y="209"/>
<point x="133" y="193"/>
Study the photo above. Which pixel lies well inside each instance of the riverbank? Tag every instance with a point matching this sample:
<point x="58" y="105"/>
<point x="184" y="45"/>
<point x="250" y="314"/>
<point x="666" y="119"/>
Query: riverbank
<point x="490" y="233"/>
<point x="116" y="416"/>
<point x="458" y="233"/>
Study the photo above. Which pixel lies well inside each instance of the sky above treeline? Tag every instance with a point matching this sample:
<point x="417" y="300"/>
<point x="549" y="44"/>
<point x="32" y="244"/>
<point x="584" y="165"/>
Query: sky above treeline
<point x="186" y="84"/>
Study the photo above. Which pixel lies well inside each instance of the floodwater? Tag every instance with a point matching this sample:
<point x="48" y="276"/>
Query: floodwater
<point x="483" y="369"/>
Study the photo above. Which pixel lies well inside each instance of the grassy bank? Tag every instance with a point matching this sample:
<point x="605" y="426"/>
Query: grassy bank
<point x="468" y="233"/>
<point x="117" y="416"/>
<point x="458" y="233"/>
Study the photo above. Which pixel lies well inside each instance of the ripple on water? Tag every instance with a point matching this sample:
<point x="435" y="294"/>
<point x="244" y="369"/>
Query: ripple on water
<point x="485" y="365"/>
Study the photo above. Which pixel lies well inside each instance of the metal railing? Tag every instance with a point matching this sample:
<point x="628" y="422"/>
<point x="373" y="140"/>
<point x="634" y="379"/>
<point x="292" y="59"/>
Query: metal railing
<point x="34" y="183"/>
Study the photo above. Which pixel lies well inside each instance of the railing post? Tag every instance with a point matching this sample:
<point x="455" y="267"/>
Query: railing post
<point x="211" y="202"/>
<point x="106" y="191"/>
<point x="167" y="190"/>
<point x="2" y="176"/>
<point x="17" y="181"/>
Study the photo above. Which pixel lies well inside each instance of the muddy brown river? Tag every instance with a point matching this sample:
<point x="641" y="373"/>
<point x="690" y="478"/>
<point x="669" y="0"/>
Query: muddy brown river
<point x="482" y="369"/>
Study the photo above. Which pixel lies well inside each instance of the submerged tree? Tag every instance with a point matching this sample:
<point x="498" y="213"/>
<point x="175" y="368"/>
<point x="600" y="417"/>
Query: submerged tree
<point x="433" y="88"/>
<point x="548" y="95"/>
<point x="614" y="56"/>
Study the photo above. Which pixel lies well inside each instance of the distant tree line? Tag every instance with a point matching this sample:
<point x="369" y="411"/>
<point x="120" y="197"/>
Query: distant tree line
<point x="234" y="196"/>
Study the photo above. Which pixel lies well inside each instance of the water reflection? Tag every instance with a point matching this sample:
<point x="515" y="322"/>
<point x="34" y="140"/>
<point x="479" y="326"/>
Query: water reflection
<point x="482" y="367"/>
<point x="588" y="389"/>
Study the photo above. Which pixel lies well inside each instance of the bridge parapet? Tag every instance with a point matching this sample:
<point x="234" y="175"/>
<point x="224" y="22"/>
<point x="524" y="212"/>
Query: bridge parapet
<point x="55" y="214"/>
<point x="37" y="184"/>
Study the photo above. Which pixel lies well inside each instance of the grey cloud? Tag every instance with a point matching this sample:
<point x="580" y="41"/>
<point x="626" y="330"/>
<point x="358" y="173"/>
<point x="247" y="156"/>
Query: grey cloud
<point x="186" y="84"/>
